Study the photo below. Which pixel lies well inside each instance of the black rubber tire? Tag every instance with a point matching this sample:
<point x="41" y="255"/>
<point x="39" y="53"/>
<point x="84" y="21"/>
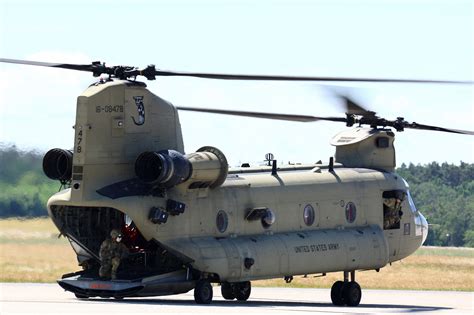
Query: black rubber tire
<point x="242" y="290"/>
<point x="352" y="293"/>
<point x="227" y="291"/>
<point x="203" y="292"/>
<point x="81" y="296"/>
<point x="337" y="293"/>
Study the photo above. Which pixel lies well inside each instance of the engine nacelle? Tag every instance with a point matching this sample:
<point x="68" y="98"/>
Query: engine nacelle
<point x="210" y="168"/>
<point x="207" y="167"/>
<point x="57" y="164"/>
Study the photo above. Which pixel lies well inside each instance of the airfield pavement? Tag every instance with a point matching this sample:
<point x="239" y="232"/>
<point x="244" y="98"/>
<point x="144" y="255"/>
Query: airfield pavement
<point x="31" y="298"/>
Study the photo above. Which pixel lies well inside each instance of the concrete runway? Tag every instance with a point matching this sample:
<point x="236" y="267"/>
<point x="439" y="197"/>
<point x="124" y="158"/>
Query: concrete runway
<point x="29" y="298"/>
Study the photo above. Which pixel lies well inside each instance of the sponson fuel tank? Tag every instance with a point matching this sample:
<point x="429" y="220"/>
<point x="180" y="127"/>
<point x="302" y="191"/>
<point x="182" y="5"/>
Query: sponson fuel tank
<point x="280" y="254"/>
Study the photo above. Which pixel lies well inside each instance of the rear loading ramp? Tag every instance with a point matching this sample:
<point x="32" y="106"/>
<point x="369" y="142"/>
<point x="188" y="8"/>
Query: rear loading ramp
<point x="164" y="284"/>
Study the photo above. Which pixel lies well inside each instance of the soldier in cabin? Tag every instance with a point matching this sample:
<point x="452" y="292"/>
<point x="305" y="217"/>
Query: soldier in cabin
<point x="392" y="213"/>
<point x="112" y="251"/>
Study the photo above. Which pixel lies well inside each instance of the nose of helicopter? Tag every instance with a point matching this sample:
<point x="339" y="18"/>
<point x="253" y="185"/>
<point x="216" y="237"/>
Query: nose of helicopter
<point x="424" y="227"/>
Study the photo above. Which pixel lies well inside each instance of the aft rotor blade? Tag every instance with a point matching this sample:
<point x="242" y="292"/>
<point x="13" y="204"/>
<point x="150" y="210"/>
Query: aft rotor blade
<point x="415" y="125"/>
<point x="49" y="64"/>
<point x="287" y="117"/>
<point x="124" y="72"/>
<point x="258" y="77"/>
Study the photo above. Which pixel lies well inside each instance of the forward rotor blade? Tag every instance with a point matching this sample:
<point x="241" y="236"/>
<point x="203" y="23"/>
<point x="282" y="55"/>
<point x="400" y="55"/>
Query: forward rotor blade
<point x="415" y="125"/>
<point x="287" y="117"/>
<point x="49" y="64"/>
<point x="353" y="108"/>
<point x="368" y="120"/>
<point x="297" y="78"/>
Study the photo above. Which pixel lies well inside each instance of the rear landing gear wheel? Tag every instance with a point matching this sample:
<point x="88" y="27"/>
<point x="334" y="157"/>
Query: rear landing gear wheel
<point x="352" y="293"/>
<point x="242" y="290"/>
<point x="203" y="292"/>
<point x="227" y="291"/>
<point x="337" y="293"/>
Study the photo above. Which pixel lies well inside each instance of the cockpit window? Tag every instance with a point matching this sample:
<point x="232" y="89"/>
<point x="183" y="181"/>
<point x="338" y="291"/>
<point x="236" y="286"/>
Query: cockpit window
<point x="411" y="203"/>
<point x="392" y="208"/>
<point x="420" y="221"/>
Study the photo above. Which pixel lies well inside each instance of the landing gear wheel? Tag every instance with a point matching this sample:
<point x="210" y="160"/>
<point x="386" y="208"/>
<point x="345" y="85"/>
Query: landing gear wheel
<point x="81" y="296"/>
<point x="337" y="293"/>
<point x="242" y="290"/>
<point x="203" y="292"/>
<point x="352" y="293"/>
<point x="227" y="291"/>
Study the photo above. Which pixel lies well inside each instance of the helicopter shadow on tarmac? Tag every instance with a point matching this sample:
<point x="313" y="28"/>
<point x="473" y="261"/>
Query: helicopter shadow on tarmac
<point x="271" y="303"/>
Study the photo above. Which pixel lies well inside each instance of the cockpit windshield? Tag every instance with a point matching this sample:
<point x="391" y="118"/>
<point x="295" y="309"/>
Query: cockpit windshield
<point x="421" y="225"/>
<point x="412" y="204"/>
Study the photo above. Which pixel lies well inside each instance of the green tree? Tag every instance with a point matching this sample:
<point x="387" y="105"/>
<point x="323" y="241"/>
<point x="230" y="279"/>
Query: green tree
<point x="24" y="190"/>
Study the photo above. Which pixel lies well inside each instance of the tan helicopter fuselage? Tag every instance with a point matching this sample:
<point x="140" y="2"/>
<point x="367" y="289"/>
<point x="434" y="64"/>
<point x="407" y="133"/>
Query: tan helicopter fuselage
<point x="117" y="121"/>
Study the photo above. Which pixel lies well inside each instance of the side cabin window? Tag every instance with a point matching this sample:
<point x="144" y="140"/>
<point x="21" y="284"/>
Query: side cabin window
<point x="392" y="208"/>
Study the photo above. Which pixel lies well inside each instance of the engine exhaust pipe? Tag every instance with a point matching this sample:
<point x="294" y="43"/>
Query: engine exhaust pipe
<point x="57" y="164"/>
<point x="167" y="167"/>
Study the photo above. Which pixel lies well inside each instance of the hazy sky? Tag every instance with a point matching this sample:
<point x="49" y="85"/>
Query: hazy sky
<point x="389" y="39"/>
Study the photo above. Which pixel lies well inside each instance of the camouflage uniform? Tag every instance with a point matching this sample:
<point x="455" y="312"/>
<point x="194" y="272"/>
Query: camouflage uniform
<point x="111" y="253"/>
<point x="391" y="212"/>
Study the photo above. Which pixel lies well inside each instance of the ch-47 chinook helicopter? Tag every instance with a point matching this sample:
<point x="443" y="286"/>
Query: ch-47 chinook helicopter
<point x="189" y="220"/>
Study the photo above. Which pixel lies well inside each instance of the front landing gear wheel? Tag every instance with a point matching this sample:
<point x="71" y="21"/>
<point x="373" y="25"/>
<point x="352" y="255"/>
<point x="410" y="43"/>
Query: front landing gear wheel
<point x="227" y="291"/>
<point x="242" y="290"/>
<point x="337" y="293"/>
<point x="352" y="293"/>
<point x="203" y="292"/>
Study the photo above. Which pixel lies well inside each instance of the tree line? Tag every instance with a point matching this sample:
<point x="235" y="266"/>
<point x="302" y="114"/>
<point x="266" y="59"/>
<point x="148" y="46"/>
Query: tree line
<point x="444" y="193"/>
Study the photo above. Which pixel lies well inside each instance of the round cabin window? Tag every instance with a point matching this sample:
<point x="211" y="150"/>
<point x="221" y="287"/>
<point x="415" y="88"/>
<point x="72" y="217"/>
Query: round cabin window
<point x="308" y="215"/>
<point x="222" y="221"/>
<point x="351" y="212"/>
